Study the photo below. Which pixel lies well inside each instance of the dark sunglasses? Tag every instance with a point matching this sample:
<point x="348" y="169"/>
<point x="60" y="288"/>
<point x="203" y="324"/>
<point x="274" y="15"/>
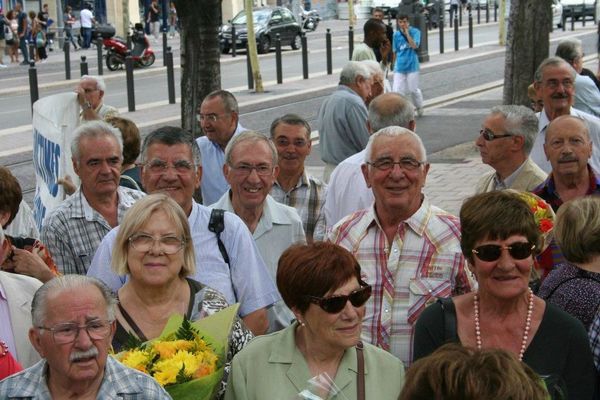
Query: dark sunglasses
<point x="491" y="252"/>
<point x="335" y="304"/>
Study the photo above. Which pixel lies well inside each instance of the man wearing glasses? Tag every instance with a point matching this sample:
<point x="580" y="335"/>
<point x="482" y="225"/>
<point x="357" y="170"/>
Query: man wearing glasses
<point x="73" y="325"/>
<point x="555" y="85"/>
<point x="409" y="250"/>
<point x="294" y="187"/>
<point x="90" y="95"/>
<point x="219" y="120"/>
<point x="251" y="169"/>
<point x="73" y="231"/>
<point x="504" y="143"/>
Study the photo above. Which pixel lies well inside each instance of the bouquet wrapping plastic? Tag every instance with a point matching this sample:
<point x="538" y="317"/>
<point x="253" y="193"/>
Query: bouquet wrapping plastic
<point x="188" y="357"/>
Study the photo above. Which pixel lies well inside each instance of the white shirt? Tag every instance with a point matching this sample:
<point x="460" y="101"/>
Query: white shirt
<point x="86" y="18"/>
<point x="347" y="191"/>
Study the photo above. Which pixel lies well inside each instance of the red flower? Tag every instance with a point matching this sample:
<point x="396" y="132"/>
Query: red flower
<point x="542" y="204"/>
<point x="546" y="225"/>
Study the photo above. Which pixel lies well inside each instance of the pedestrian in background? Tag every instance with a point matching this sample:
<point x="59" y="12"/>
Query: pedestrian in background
<point x="22" y="32"/>
<point x="406" y="69"/>
<point x="87" y="21"/>
<point x="173" y="20"/>
<point x="13" y="43"/>
<point x="4" y="26"/>
<point x="153" y="19"/>
<point x="69" y="20"/>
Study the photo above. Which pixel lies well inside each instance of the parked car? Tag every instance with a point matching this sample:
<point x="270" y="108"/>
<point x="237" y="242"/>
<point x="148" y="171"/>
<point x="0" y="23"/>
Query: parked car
<point x="557" y="11"/>
<point x="588" y="9"/>
<point x="268" y="22"/>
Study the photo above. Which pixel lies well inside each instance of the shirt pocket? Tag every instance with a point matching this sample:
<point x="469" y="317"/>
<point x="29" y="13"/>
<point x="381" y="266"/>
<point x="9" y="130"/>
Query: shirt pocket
<point x="424" y="291"/>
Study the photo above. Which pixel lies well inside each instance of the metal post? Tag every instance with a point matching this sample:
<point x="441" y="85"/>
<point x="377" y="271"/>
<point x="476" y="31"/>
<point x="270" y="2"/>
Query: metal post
<point x="304" y="56"/>
<point x="278" y="66"/>
<point x="495" y="12"/>
<point x="249" y="69"/>
<point x="170" y="75"/>
<point x="487" y="12"/>
<point x="83" y="66"/>
<point x="99" y="51"/>
<point x="328" y="52"/>
<point x="564" y="22"/>
<point x="233" y="41"/>
<point x="455" y="33"/>
<point x="572" y="21"/>
<point x="33" y="84"/>
<point x="67" y="49"/>
<point x="350" y="42"/>
<point x="128" y="41"/>
<point x="478" y="14"/>
<point x="129" y="77"/>
<point x="441" y="26"/>
<point x="164" y="37"/>
<point x="470" y="30"/>
<point x="460" y="13"/>
<point x="583" y="15"/>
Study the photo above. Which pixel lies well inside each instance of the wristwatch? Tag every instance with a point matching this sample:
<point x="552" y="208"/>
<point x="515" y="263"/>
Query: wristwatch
<point x="87" y="105"/>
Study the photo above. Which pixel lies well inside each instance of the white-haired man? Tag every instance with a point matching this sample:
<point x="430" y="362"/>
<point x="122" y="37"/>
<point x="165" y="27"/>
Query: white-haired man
<point x="90" y="95"/>
<point x="342" y="118"/>
<point x="73" y="320"/>
<point x="409" y="250"/>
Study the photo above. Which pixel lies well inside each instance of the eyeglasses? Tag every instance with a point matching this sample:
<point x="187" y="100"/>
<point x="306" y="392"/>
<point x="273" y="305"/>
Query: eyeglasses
<point x="209" y="117"/>
<point x="554" y="83"/>
<point x="168" y="244"/>
<point x="335" y="304"/>
<point x="246" y="169"/>
<point x="181" y="167"/>
<point x="68" y="332"/>
<point x="489" y="135"/>
<point x="491" y="252"/>
<point x="386" y="164"/>
<point x="284" y="142"/>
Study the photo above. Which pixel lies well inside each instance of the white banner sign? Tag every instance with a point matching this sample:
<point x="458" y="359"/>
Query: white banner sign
<point x="54" y="120"/>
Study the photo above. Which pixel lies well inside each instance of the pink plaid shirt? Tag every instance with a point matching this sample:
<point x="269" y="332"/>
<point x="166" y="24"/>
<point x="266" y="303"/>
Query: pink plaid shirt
<point x="424" y="262"/>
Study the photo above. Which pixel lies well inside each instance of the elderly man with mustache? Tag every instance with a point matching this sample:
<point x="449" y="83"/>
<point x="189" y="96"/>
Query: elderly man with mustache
<point x="73" y="324"/>
<point x="568" y="148"/>
<point x="555" y="85"/>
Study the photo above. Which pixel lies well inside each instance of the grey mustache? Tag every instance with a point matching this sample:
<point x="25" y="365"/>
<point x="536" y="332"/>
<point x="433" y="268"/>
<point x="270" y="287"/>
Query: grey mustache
<point x="80" y="355"/>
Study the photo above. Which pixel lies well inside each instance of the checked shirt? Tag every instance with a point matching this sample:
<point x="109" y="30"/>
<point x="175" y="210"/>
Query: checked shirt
<point x="424" y="262"/>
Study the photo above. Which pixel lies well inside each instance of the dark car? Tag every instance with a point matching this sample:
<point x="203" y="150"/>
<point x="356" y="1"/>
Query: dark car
<point x="268" y="22"/>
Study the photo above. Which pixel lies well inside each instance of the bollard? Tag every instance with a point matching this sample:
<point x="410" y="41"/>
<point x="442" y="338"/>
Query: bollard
<point x="128" y="41"/>
<point x="455" y="34"/>
<point x="99" y="49"/>
<point x="470" y="30"/>
<point x="129" y="77"/>
<point x="278" y="67"/>
<point x="233" y="41"/>
<point x="350" y="42"/>
<point x="460" y="12"/>
<point x="583" y="15"/>
<point x="304" y="56"/>
<point x="33" y="84"/>
<point x="487" y="12"/>
<point x="83" y="66"/>
<point x="564" y="22"/>
<point x="441" y="26"/>
<point x="478" y="14"/>
<point x="31" y="51"/>
<point x="164" y="37"/>
<point x="249" y="69"/>
<point x="67" y="49"/>
<point x="495" y="12"/>
<point x="328" y="52"/>
<point x="572" y="22"/>
<point x="170" y="75"/>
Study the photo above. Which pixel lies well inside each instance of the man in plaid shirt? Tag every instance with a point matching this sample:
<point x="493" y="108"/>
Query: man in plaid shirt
<point x="294" y="187"/>
<point x="409" y="250"/>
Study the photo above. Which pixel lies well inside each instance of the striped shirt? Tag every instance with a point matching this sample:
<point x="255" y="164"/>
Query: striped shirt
<point x="119" y="382"/>
<point x="74" y="230"/>
<point x="307" y="197"/>
<point x="424" y="262"/>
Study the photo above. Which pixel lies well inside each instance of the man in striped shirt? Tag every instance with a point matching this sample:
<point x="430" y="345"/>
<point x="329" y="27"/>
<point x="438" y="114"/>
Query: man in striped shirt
<point x="409" y="250"/>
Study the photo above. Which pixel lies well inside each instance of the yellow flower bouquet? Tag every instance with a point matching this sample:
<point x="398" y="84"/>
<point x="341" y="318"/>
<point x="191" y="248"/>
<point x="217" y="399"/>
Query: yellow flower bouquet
<point x="188" y="357"/>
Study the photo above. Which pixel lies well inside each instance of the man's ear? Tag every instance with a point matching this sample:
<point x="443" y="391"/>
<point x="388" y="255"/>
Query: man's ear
<point x="365" y="171"/>
<point x="226" y="172"/>
<point x="75" y="165"/>
<point x="36" y="341"/>
<point x="412" y="125"/>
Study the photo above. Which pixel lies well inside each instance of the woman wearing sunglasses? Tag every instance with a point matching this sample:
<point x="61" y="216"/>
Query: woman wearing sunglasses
<point x="499" y="240"/>
<point x="320" y="354"/>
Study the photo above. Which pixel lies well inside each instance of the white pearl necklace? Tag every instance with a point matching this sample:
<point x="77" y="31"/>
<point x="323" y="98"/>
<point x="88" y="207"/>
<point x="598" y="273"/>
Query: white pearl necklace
<point x="525" y="332"/>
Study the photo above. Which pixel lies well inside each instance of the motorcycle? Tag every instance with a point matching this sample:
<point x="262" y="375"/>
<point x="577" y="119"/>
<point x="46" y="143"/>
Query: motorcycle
<point x="310" y="19"/>
<point x="142" y="54"/>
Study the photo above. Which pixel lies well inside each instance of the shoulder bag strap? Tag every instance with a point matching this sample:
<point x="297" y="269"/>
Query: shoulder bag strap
<point x="360" y="383"/>
<point x="449" y="311"/>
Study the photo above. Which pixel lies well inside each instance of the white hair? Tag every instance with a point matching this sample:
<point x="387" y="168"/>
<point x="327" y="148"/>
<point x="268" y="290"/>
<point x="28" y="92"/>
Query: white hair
<point x="373" y="67"/>
<point x="394" y="132"/>
<point x="100" y="85"/>
<point x="353" y="70"/>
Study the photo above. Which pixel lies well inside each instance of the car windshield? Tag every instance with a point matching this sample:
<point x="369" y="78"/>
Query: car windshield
<point x="258" y="17"/>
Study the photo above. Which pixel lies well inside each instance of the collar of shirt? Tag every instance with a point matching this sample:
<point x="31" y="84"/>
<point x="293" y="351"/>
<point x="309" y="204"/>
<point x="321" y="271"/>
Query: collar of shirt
<point x="594" y="183"/>
<point x="238" y="129"/>
<point x="417" y="222"/>
<point x="303" y="181"/>
<point x="500" y="184"/>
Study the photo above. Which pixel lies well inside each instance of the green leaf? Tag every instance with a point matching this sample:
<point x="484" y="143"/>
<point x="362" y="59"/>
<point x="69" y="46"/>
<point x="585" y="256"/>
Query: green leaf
<point x="133" y="342"/>
<point x="186" y="331"/>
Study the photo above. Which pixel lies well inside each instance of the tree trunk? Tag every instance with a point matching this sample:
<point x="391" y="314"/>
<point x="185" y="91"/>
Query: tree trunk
<point x="258" y="84"/>
<point x="200" y="56"/>
<point x="527" y="45"/>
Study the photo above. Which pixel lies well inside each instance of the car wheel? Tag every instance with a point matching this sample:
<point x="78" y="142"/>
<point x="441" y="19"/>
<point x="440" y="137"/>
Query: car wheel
<point x="297" y="42"/>
<point x="263" y="45"/>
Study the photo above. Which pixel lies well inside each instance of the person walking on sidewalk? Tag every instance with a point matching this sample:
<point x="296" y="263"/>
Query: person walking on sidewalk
<point x="406" y="71"/>
<point x="153" y="19"/>
<point x="87" y="22"/>
<point x="3" y="24"/>
<point x="69" y="20"/>
<point x="22" y="32"/>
